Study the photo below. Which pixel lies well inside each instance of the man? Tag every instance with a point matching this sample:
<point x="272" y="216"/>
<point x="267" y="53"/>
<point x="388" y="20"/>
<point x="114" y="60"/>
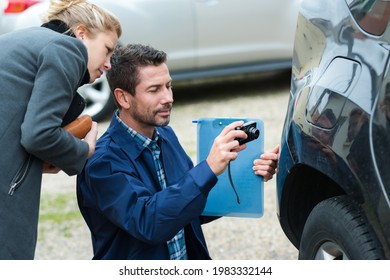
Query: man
<point x="139" y="193"/>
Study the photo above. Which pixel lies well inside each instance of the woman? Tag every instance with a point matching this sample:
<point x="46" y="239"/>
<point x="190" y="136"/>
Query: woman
<point x="42" y="67"/>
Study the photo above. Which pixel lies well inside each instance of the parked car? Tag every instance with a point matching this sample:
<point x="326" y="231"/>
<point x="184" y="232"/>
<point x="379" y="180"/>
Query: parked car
<point x="333" y="181"/>
<point x="2" y="7"/>
<point x="203" y="38"/>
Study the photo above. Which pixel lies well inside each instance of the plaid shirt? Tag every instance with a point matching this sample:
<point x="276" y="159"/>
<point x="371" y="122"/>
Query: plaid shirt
<point x="176" y="246"/>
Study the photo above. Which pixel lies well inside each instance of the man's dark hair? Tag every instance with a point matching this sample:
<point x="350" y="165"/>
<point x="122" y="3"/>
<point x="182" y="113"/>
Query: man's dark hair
<point x="125" y="64"/>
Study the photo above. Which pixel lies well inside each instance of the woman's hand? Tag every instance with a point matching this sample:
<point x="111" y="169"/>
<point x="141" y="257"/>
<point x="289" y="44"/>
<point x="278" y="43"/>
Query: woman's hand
<point x="50" y="169"/>
<point x="91" y="138"/>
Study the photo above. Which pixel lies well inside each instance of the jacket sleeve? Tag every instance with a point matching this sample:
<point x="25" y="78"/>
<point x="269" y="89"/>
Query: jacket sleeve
<point x="61" y="66"/>
<point x="151" y="215"/>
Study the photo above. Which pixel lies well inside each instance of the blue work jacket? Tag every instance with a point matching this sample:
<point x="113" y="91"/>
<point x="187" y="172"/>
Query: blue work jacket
<point x="129" y="215"/>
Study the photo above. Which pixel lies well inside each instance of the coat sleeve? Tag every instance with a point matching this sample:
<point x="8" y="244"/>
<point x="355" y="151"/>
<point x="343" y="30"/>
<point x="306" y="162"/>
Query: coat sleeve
<point x="61" y="66"/>
<point x="122" y="194"/>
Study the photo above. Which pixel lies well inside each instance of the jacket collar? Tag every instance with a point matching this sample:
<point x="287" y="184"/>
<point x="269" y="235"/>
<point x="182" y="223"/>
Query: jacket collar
<point x="122" y="137"/>
<point x="61" y="27"/>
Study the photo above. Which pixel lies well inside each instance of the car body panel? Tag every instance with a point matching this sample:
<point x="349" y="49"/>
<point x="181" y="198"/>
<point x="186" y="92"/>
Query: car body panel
<point x="229" y="32"/>
<point x="168" y="25"/>
<point x="334" y="138"/>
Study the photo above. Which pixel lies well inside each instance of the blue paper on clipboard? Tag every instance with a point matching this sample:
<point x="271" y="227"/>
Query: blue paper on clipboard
<point x="222" y="200"/>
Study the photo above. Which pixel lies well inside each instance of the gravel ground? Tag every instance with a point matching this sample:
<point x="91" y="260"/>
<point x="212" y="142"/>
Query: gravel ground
<point x="64" y="235"/>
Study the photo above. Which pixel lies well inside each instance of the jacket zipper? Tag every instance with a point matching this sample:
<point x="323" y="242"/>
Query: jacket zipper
<point x="20" y="176"/>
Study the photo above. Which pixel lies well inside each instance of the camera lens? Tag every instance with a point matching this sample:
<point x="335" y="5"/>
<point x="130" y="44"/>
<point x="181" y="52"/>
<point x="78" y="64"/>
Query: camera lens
<point x="253" y="133"/>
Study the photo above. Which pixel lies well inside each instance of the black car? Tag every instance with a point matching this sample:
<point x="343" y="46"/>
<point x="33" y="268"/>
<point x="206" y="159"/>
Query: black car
<point x="333" y="180"/>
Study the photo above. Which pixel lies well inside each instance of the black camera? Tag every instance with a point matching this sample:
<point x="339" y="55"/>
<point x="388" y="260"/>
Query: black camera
<point x="251" y="131"/>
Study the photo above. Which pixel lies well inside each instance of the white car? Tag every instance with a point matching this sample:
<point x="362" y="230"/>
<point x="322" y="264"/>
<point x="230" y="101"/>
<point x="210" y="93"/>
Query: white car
<point x="203" y="38"/>
<point x="2" y="8"/>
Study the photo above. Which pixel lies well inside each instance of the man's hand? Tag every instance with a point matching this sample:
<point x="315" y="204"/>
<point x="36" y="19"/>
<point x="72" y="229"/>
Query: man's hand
<point x="225" y="148"/>
<point x="267" y="164"/>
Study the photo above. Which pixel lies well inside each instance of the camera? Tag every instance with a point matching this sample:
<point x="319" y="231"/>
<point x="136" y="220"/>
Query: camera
<point x="251" y="131"/>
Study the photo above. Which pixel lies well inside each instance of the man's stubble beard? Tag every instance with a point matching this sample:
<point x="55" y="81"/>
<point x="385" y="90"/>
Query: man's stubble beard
<point x="150" y="118"/>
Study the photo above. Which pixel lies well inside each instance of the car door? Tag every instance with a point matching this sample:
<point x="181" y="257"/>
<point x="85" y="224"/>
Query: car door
<point x="231" y="31"/>
<point x="381" y="133"/>
<point x="165" y="25"/>
<point x="374" y="18"/>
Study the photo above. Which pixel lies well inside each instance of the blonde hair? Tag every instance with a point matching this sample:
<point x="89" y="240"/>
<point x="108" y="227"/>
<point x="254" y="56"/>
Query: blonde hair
<point x="76" y="12"/>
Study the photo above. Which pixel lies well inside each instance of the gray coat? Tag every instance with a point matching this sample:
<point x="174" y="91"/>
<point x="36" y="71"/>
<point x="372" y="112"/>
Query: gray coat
<point x="40" y="73"/>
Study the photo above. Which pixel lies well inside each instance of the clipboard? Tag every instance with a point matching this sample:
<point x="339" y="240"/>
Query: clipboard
<point x="222" y="200"/>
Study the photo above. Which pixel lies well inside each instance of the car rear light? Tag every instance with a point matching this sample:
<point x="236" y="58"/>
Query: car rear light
<point x="18" y="6"/>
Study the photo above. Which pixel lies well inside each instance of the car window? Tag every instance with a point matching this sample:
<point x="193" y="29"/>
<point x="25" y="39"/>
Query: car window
<point x="372" y="16"/>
